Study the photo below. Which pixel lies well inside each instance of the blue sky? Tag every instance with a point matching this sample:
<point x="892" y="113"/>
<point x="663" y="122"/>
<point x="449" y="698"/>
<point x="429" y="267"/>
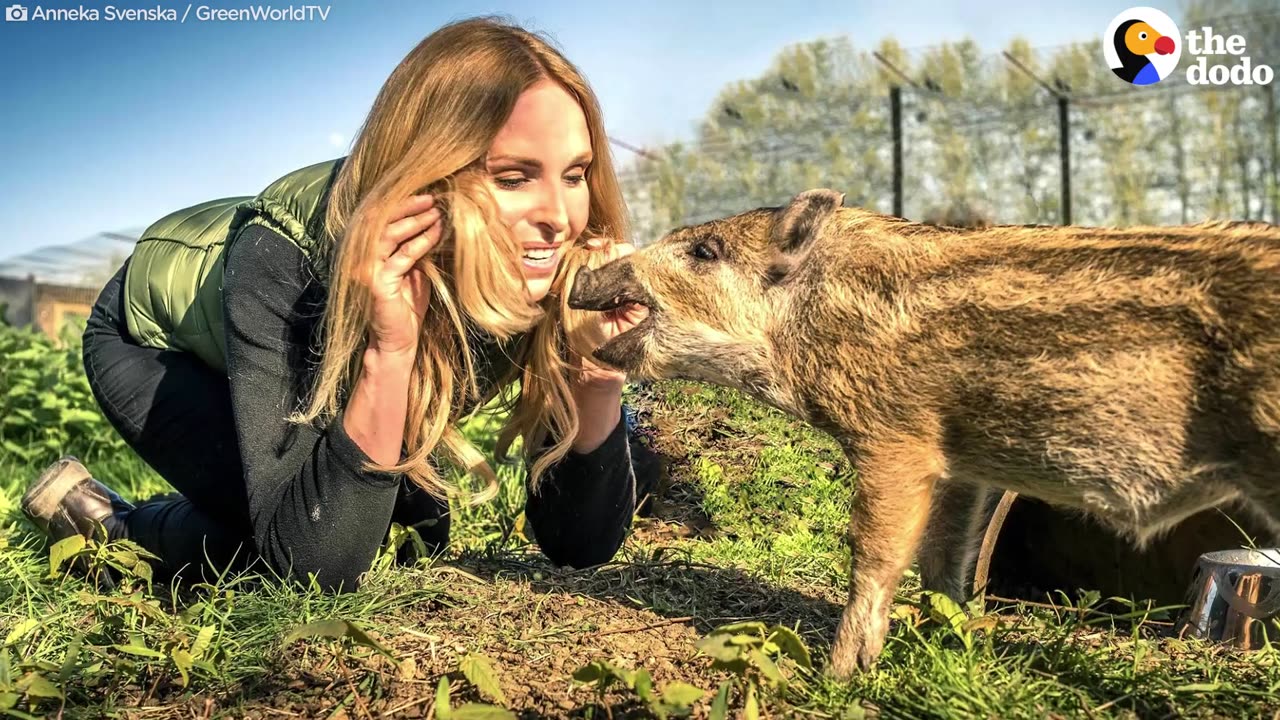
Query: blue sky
<point x="111" y="125"/>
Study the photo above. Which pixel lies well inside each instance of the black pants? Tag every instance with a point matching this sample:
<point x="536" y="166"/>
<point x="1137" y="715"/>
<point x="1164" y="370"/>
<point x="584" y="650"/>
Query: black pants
<point x="175" y="412"/>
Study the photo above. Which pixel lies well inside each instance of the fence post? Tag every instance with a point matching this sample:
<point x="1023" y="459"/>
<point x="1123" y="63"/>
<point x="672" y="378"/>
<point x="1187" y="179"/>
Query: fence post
<point x="1064" y="148"/>
<point x="1275" y="155"/>
<point x="34" y="289"/>
<point x="895" y="108"/>
<point x="1180" y="156"/>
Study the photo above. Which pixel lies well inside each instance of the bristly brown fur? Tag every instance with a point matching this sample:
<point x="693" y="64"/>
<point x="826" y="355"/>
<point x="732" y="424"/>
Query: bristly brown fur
<point x="1131" y="373"/>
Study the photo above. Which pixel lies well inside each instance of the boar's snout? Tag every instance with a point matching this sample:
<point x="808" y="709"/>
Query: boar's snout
<point x="607" y="288"/>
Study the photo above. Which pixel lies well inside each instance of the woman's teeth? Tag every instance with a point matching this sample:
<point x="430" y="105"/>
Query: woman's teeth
<point x="541" y="260"/>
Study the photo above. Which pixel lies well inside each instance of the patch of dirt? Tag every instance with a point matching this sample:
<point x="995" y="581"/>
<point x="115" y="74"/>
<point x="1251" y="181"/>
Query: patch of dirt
<point x="538" y="636"/>
<point x="538" y="624"/>
<point x="660" y="450"/>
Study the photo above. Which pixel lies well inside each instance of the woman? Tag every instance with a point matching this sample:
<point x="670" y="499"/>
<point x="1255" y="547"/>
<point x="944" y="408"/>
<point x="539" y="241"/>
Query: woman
<point x="289" y="362"/>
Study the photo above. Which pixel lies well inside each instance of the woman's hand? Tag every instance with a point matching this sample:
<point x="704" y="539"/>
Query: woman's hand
<point x="401" y="291"/>
<point x="612" y="323"/>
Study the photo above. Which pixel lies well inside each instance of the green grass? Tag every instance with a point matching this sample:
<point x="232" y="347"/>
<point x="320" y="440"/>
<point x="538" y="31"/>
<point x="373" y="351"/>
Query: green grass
<point x="748" y="527"/>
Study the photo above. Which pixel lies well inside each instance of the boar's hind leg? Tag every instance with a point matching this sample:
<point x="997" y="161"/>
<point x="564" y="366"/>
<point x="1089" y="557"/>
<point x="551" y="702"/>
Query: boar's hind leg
<point x="890" y="508"/>
<point x="950" y="544"/>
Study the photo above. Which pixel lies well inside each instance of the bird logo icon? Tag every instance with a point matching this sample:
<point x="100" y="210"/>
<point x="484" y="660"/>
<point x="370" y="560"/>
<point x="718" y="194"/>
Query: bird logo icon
<point x="1142" y="46"/>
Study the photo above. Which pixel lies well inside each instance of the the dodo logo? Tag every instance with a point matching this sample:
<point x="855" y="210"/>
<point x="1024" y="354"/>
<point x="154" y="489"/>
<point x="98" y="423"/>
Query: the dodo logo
<point x="1142" y="46"/>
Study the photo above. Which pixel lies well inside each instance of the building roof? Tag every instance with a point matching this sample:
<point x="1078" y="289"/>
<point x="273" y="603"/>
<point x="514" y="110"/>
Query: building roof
<point x="84" y="263"/>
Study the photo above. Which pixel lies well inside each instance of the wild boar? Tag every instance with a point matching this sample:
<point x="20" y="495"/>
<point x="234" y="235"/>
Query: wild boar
<point x="1133" y="374"/>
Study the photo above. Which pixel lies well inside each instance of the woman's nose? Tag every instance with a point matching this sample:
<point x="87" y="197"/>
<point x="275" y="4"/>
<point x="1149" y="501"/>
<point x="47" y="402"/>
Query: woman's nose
<point x="551" y="211"/>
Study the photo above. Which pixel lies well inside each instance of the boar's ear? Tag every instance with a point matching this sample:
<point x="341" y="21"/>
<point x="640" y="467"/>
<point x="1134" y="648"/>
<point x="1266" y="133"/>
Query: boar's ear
<point x="796" y="224"/>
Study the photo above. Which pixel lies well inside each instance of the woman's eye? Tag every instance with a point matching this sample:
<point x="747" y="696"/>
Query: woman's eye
<point x="510" y="183"/>
<point x="575" y="179"/>
<point x="702" y="251"/>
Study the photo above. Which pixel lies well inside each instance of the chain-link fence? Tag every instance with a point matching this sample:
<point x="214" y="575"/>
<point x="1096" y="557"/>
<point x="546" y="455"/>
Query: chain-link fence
<point x="976" y="135"/>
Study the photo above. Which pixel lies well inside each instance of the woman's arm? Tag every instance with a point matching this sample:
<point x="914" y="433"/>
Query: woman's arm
<point x="582" y="511"/>
<point x="375" y="415"/>
<point x="313" y="506"/>
<point x="313" y="509"/>
<point x="597" y="414"/>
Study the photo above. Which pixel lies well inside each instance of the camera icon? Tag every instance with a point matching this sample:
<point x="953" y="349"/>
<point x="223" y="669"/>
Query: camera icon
<point x="15" y="13"/>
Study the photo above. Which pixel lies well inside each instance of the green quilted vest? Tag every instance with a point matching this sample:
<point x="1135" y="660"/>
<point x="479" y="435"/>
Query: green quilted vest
<point x="173" y="286"/>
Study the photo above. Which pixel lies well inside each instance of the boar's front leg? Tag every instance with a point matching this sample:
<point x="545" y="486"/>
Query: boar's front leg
<point x="890" y="509"/>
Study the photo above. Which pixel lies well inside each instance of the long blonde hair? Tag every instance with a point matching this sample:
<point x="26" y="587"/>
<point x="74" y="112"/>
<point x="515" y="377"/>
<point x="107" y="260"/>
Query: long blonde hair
<point x="428" y="131"/>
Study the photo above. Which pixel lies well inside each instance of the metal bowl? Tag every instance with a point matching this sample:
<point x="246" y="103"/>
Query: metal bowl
<point x="1234" y="598"/>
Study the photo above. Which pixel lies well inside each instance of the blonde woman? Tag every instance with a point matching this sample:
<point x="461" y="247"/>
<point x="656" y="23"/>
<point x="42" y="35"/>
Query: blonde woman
<point x="295" y="363"/>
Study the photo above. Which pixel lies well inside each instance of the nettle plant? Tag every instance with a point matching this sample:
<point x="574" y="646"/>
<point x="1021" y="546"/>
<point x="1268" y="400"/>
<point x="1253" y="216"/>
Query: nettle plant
<point x="126" y="632"/>
<point x="675" y="699"/>
<point x="45" y="400"/>
<point x="757" y="655"/>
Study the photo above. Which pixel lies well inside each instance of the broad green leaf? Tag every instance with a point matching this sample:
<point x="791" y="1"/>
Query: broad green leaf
<point x="183" y="661"/>
<point x="751" y="709"/>
<point x="477" y="711"/>
<point x="643" y="685"/>
<point x="77" y="415"/>
<point x="679" y="694"/>
<point x="791" y="645"/>
<point x="36" y="685"/>
<point x="16" y="449"/>
<point x="337" y="628"/>
<point x="945" y="611"/>
<point x="752" y="627"/>
<point x="20" y="630"/>
<point x="854" y="712"/>
<point x="717" y="646"/>
<point x="479" y="671"/>
<point x="626" y="675"/>
<point x="396" y="537"/>
<point x="737" y="667"/>
<point x="1202" y="687"/>
<point x="64" y="550"/>
<point x="124" y="556"/>
<point x="720" y="706"/>
<point x="139" y="651"/>
<point x="593" y="671"/>
<point x="201" y="644"/>
<point x="72" y="658"/>
<point x="442" y="709"/>
<point x="766" y="667"/>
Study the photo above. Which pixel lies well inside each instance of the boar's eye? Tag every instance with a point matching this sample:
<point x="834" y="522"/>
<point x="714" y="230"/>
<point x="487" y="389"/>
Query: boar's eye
<point x="705" y="250"/>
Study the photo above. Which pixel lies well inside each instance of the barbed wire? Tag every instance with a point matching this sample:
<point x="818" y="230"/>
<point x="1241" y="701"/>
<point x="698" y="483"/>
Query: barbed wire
<point x="966" y="112"/>
<point x="786" y="130"/>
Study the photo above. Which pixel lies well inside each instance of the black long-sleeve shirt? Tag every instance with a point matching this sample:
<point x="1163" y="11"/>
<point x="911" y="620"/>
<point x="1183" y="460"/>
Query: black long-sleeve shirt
<point x="312" y="508"/>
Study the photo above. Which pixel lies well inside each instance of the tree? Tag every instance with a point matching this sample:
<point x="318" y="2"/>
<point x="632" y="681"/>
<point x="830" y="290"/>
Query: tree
<point x="980" y="135"/>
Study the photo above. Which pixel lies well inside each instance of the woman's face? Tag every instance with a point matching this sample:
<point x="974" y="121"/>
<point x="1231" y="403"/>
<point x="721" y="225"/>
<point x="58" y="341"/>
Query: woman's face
<point x="537" y="165"/>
